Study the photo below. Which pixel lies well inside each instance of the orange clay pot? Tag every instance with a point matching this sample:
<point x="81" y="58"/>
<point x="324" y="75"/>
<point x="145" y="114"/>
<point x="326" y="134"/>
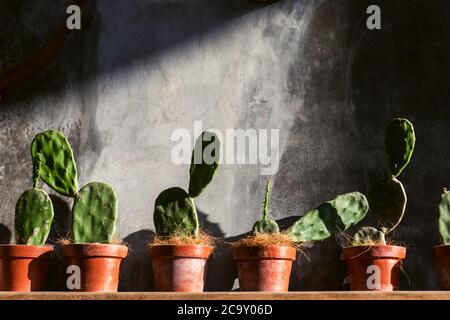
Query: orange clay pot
<point x="179" y="268"/>
<point x="99" y="265"/>
<point x="264" y="268"/>
<point x="374" y="268"/>
<point x="23" y="267"/>
<point x="442" y="257"/>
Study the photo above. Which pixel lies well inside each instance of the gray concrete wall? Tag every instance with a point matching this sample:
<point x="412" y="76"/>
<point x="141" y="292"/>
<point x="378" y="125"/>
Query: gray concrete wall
<point x="138" y="70"/>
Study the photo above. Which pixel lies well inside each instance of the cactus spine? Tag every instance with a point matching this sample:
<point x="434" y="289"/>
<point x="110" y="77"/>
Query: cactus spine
<point x="387" y="197"/>
<point x="175" y="213"/>
<point x="266" y="225"/>
<point x="444" y="217"/>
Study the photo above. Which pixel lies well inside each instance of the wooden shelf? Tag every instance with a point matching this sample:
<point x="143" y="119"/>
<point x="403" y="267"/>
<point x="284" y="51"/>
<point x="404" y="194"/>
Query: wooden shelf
<point x="322" y="295"/>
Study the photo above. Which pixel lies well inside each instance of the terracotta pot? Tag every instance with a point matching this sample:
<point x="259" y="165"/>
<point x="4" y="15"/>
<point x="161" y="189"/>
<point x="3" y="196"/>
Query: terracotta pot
<point x="265" y="268"/>
<point x="374" y="268"/>
<point x="442" y="257"/>
<point x="23" y="267"/>
<point x="99" y="265"/>
<point x="179" y="268"/>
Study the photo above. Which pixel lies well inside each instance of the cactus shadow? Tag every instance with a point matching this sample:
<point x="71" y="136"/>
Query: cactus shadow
<point x="308" y="272"/>
<point x="60" y="228"/>
<point x="61" y="225"/>
<point x="56" y="279"/>
<point x="221" y="262"/>
<point x="136" y="273"/>
<point x="5" y="234"/>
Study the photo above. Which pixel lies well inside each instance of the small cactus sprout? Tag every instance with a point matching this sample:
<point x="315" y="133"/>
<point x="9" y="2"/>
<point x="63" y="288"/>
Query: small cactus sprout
<point x="34" y="216"/>
<point x="330" y="218"/>
<point x="387" y="200"/>
<point x="54" y="163"/>
<point x="399" y="145"/>
<point x="266" y="225"/>
<point x="367" y="236"/>
<point x="204" y="162"/>
<point x="175" y="213"/>
<point x="444" y="217"/>
<point x="94" y="214"/>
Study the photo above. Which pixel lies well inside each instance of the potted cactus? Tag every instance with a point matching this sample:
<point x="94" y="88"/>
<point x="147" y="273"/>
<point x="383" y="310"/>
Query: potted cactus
<point x="372" y="264"/>
<point x="94" y="215"/>
<point x="23" y="266"/>
<point x="441" y="253"/>
<point x="180" y="250"/>
<point x="264" y="259"/>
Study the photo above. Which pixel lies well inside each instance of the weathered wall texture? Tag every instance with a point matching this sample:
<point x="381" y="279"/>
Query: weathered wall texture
<point x="140" y="69"/>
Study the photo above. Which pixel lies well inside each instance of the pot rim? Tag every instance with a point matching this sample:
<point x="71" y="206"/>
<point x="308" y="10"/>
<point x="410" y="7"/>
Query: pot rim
<point x="91" y="250"/>
<point x="441" y="251"/>
<point x="170" y="251"/>
<point x="25" y="251"/>
<point x="270" y="252"/>
<point x="374" y="252"/>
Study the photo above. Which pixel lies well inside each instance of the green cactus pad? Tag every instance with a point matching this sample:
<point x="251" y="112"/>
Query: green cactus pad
<point x="387" y="199"/>
<point x="330" y="218"/>
<point x="204" y="162"/>
<point x="266" y="225"/>
<point x="368" y="236"/>
<point x="54" y="163"/>
<point x="399" y="145"/>
<point x="175" y="214"/>
<point x="34" y="216"/>
<point x="444" y="217"/>
<point x="94" y="214"/>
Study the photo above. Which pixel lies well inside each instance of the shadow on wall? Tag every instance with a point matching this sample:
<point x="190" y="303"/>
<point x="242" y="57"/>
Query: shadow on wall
<point x="308" y="272"/>
<point x="131" y="31"/>
<point x="137" y="275"/>
<point x="408" y="61"/>
<point x="60" y="229"/>
<point x="5" y="234"/>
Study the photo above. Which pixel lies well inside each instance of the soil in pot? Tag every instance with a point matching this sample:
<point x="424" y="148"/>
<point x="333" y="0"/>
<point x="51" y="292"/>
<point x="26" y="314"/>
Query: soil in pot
<point x="179" y="268"/>
<point x="374" y="268"/>
<point x="441" y="256"/>
<point x="99" y="265"/>
<point x="23" y="267"/>
<point x="264" y="268"/>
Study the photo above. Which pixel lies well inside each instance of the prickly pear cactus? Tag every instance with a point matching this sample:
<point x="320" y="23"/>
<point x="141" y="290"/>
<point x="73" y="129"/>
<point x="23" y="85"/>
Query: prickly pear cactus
<point x="399" y="145"/>
<point x="34" y="216"/>
<point x="387" y="199"/>
<point x="54" y="163"/>
<point x="330" y="218"/>
<point x="204" y="162"/>
<point x="266" y="225"/>
<point x="444" y="217"/>
<point x="175" y="214"/>
<point x="368" y="236"/>
<point x="94" y="214"/>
